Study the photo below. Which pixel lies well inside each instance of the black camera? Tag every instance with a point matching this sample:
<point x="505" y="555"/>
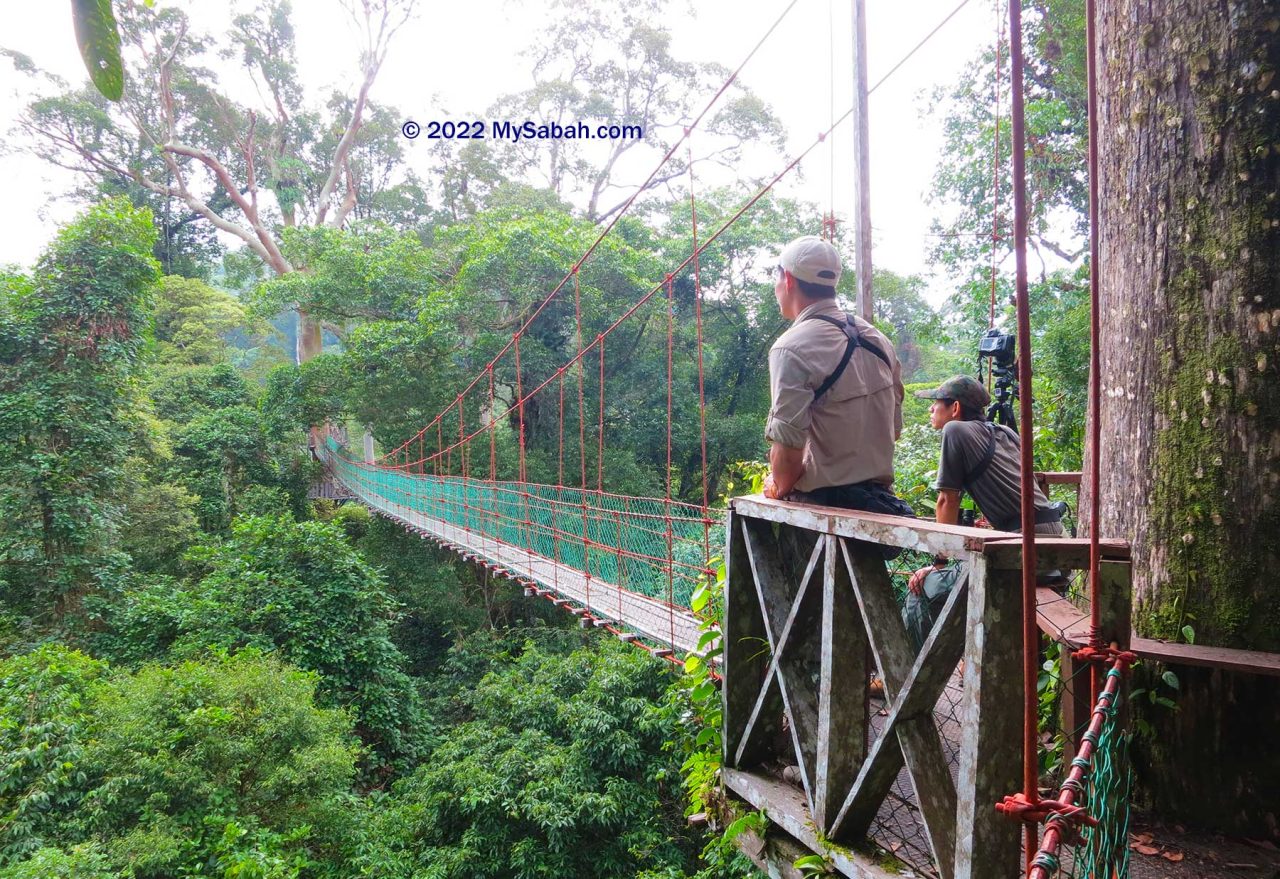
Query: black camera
<point x="1000" y="354"/>
<point x="999" y="346"/>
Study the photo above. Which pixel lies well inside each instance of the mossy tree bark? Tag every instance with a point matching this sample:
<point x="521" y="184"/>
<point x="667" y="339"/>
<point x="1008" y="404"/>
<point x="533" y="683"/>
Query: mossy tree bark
<point x="1190" y="146"/>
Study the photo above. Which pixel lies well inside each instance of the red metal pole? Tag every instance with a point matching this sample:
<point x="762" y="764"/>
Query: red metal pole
<point x="1095" y="339"/>
<point x="1030" y="635"/>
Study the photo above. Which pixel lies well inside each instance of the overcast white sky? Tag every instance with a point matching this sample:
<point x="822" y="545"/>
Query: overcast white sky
<point x="461" y="56"/>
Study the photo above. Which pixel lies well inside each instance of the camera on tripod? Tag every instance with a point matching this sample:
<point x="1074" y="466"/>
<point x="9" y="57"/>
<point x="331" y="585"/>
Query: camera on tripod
<point x="1000" y="347"/>
<point x="999" y="352"/>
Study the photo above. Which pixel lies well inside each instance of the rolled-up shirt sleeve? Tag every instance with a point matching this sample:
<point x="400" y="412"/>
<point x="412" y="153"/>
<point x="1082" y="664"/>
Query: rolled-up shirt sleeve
<point x="951" y="469"/>
<point x="789" y="416"/>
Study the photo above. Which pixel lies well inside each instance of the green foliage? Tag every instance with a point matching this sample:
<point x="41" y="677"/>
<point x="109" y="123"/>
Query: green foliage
<point x="74" y="333"/>
<point x="236" y="736"/>
<point x="44" y="698"/>
<point x="193" y="321"/>
<point x="99" y="42"/>
<point x="367" y="271"/>
<point x="444" y="601"/>
<point x="551" y="750"/>
<point x="158" y="524"/>
<point x="225" y="762"/>
<point x="85" y="861"/>
<point x="353" y="519"/>
<point x="300" y="588"/>
<point x="1056" y="137"/>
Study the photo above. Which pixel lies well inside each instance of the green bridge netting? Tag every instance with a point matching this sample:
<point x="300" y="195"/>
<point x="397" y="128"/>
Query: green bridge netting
<point x="653" y="547"/>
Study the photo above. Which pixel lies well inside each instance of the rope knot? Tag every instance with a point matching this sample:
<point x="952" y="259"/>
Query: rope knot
<point x="1091" y="653"/>
<point x="1019" y="808"/>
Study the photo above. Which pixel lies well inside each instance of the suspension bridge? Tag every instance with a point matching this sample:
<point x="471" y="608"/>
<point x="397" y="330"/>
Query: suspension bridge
<point x="956" y="764"/>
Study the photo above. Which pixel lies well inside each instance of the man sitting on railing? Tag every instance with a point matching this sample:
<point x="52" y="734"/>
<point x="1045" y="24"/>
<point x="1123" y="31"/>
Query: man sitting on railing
<point x="836" y="393"/>
<point x="981" y="458"/>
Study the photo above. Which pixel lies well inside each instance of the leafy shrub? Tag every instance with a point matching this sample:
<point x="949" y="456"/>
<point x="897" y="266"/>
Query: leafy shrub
<point x="302" y="589"/>
<point x="44" y="704"/>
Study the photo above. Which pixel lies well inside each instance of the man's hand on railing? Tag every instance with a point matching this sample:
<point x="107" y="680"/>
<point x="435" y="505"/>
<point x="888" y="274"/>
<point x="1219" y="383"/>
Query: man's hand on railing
<point x="916" y="583"/>
<point x="769" y="490"/>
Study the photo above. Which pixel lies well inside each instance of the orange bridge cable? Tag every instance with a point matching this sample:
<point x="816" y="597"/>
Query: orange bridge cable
<point x="520" y="398"/>
<point x="462" y="461"/>
<point x="1062" y="813"/>
<point x="582" y="417"/>
<point x="600" y="453"/>
<point x="702" y="385"/>
<point x="493" y="432"/>
<point x="560" y="434"/>
<point x="671" y="328"/>
<point x="626" y="206"/>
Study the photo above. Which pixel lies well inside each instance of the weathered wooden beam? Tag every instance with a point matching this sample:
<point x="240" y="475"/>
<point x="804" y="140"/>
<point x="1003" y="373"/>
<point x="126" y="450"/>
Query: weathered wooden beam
<point x="789" y="605"/>
<point x="1077" y="706"/>
<point x="1060" y="619"/>
<point x="1242" y="661"/>
<point x="910" y="735"/>
<point x="915" y="534"/>
<point x="1069" y="553"/>
<point x="1115" y="602"/>
<point x="746" y="654"/>
<point x="842" y="687"/>
<point x="988" y="845"/>
<point x="785" y="807"/>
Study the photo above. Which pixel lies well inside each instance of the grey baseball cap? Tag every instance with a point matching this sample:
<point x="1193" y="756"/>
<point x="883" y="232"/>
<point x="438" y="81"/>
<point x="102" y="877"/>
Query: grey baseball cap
<point x="968" y="390"/>
<point x="811" y="259"/>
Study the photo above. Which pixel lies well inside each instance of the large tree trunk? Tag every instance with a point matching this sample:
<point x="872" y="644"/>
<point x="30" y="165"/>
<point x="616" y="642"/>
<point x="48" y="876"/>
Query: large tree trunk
<point x="310" y="337"/>
<point x="1190" y="146"/>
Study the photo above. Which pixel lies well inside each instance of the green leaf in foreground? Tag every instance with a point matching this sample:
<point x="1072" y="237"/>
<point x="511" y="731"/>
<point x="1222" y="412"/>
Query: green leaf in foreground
<point x="99" y="41"/>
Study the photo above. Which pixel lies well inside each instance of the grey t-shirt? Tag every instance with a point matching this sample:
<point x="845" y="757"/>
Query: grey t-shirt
<point x="996" y="491"/>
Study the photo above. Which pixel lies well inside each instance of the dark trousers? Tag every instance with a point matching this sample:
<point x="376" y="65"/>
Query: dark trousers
<point x="867" y="497"/>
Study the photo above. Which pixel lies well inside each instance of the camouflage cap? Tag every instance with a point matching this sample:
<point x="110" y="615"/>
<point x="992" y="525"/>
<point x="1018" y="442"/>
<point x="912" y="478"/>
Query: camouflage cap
<point x="966" y="389"/>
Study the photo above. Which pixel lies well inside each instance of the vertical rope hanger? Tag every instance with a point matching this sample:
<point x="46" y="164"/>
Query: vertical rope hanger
<point x="995" y="169"/>
<point x="829" y="219"/>
<point x="702" y="385"/>
<point x="666" y="510"/>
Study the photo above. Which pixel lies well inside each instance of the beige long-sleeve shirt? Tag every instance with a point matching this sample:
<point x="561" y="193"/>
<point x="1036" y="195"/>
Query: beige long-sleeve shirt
<point x="848" y="434"/>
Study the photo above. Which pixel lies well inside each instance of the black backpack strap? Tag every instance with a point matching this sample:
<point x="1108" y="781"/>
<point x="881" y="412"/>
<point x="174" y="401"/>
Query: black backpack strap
<point x="987" y="456"/>
<point x="854" y="341"/>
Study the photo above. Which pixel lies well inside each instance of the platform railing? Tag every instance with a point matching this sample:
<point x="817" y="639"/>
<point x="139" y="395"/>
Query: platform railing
<point x="810" y="612"/>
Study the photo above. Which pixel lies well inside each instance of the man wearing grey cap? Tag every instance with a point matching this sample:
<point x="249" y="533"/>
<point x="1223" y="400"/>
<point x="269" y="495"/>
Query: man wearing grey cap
<point x="983" y="459"/>
<point x="836" y="390"/>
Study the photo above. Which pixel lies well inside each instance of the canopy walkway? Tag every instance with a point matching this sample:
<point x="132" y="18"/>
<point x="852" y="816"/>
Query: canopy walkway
<point x="628" y="562"/>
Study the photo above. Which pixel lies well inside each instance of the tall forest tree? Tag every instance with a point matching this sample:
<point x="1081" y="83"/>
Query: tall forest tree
<point x="1190" y="275"/>
<point x="612" y="63"/>
<point x="71" y="338"/>
<point x="247" y="170"/>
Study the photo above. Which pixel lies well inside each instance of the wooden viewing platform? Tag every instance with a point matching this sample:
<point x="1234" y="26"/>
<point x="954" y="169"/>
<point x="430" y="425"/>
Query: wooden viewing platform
<point x="809" y="611"/>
